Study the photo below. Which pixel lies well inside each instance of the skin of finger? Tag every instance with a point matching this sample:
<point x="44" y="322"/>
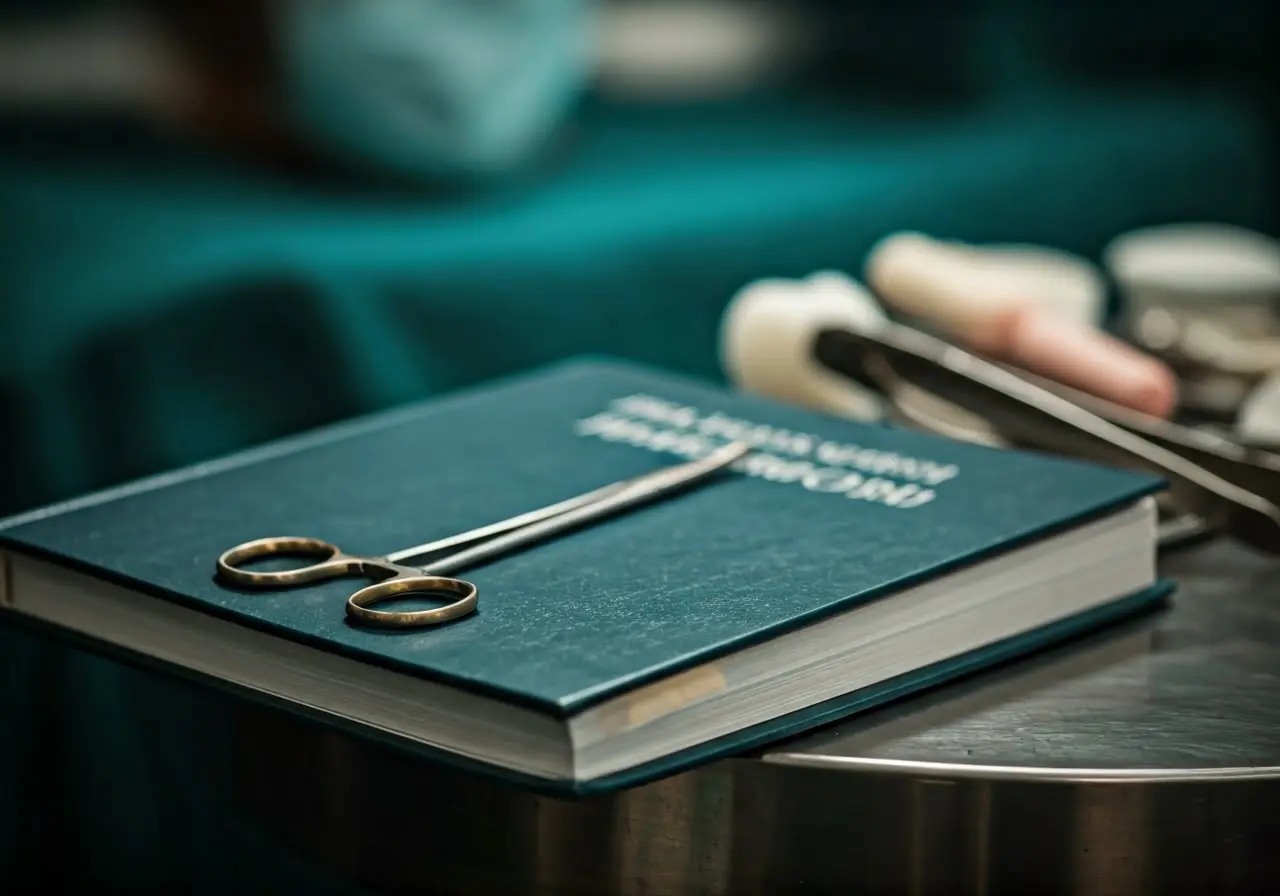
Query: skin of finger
<point x="1088" y="360"/>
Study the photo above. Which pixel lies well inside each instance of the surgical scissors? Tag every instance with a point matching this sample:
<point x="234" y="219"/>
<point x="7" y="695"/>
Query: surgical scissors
<point x="395" y="581"/>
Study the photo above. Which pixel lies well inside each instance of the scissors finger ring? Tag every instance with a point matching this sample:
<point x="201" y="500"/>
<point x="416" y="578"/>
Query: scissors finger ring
<point x="359" y="604"/>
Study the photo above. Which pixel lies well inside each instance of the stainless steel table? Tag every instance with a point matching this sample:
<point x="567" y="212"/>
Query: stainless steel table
<point x="1142" y="760"/>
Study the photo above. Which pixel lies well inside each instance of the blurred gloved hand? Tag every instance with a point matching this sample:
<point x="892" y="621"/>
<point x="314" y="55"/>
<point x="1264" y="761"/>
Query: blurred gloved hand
<point x="1030" y="307"/>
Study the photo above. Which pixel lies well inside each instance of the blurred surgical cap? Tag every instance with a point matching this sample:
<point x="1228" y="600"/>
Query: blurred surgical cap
<point x="432" y="88"/>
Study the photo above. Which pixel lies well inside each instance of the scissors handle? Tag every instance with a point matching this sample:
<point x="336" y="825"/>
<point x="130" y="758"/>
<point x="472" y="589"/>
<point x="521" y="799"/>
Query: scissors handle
<point x="328" y="562"/>
<point x="408" y="584"/>
<point x="396" y="582"/>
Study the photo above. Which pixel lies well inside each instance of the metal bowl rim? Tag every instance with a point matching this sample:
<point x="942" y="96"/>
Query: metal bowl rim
<point x="957" y="770"/>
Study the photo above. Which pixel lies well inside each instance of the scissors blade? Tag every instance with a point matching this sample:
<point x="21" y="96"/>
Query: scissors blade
<point x="615" y="499"/>
<point x="484" y="533"/>
<point x="1030" y="414"/>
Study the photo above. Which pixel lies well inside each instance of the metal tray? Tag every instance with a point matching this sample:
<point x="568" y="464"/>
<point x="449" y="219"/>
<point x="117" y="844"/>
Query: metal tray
<point x="1145" y="759"/>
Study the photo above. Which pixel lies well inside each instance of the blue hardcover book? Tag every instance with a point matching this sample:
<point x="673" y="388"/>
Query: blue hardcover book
<point x="836" y="566"/>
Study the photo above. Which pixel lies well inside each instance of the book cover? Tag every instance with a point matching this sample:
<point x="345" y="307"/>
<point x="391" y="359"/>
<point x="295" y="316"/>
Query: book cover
<point x="822" y="515"/>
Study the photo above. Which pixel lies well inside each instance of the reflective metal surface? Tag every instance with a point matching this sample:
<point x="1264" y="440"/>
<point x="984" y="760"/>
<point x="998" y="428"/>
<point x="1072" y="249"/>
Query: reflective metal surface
<point x="1142" y="760"/>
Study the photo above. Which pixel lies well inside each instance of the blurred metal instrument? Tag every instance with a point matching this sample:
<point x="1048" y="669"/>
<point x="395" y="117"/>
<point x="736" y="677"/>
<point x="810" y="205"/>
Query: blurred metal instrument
<point x="1230" y="488"/>
<point x="1203" y="298"/>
